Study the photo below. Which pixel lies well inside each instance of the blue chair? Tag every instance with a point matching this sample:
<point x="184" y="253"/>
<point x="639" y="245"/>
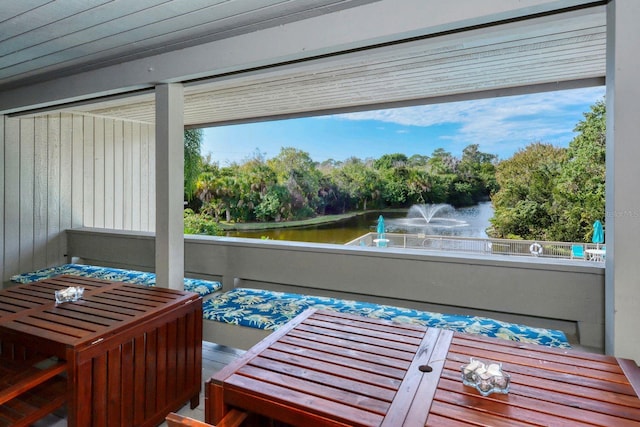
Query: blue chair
<point x="577" y="251"/>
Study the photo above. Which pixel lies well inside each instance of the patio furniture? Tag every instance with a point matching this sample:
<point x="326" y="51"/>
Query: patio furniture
<point x="596" y="255"/>
<point x="335" y="369"/>
<point x="130" y="353"/>
<point x="577" y="251"/>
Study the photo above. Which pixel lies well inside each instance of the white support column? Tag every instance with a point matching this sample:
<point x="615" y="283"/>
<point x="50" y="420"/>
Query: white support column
<point x="169" y="186"/>
<point x="2" y="201"/>
<point x="622" y="290"/>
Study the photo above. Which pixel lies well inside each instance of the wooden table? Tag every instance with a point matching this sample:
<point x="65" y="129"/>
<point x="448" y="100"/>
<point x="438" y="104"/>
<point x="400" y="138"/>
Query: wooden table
<point x="331" y="369"/>
<point x="131" y="353"/>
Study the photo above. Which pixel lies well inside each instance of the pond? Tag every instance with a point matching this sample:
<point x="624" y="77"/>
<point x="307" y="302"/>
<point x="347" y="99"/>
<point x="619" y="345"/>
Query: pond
<point x="465" y="222"/>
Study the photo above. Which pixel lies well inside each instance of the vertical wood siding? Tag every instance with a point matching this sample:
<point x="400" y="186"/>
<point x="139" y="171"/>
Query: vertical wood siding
<point x="2" y="140"/>
<point x="66" y="170"/>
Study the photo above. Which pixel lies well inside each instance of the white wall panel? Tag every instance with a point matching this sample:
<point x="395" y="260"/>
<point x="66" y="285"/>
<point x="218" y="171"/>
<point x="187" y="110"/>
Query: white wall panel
<point x="108" y="172"/>
<point x="98" y="173"/>
<point x="77" y="173"/>
<point x="87" y="170"/>
<point x="11" y="198"/>
<point x="66" y="178"/>
<point x="127" y="178"/>
<point x="63" y="171"/>
<point x="25" y="205"/>
<point x="118" y="175"/>
<point x="2" y="144"/>
<point x="40" y="232"/>
<point x="135" y="176"/>
<point x="144" y="176"/>
<point x="53" y="190"/>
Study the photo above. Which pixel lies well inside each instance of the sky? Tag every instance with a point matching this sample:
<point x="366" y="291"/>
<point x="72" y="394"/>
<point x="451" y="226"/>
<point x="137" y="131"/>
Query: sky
<point x="500" y="126"/>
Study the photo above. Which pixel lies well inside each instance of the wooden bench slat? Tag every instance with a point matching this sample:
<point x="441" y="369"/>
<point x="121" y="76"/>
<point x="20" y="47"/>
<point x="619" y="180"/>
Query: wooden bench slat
<point x="300" y="346"/>
<point x="387" y="366"/>
<point x="526" y="408"/>
<point x="88" y="324"/>
<point x="362" y="322"/>
<point x="81" y="316"/>
<point x="325" y="378"/>
<point x="437" y="420"/>
<point x="125" y="300"/>
<point x="549" y="366"/>
<point x="361" y="345"/>
<point x="544" y="361"/>
<point x="93" y="306"/>
<point x="376" y="333"/>
<point x="551" y="389"/>
<point x="615" y="384"/>
<point x="476" y="416"/>
<point x="303" y="406"/>
<point x="343" y="371"/>
<point x="334" y="391"/>
<point x="609" y="365"/>
<point x="498" y="344"/>
<point x="353" y="335"/>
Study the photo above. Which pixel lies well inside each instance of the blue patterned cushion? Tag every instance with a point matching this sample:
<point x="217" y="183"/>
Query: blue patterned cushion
<point x="202" y="287"/>
<point x="269" y="310"/>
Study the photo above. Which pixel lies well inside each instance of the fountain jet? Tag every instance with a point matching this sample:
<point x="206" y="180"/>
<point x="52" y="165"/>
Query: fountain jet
<point x="428" y="211"/>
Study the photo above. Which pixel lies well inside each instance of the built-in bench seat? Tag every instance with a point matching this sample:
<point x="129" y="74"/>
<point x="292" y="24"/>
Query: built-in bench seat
<point x="268" y="310"/>
<point x="264" y="310"/>
<point x="201" y="287"/>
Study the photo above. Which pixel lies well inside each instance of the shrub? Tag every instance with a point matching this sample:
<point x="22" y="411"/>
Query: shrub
<point x="200" y="224"/>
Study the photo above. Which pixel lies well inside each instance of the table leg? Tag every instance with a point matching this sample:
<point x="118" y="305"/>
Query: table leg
<point x="214" y="409"/>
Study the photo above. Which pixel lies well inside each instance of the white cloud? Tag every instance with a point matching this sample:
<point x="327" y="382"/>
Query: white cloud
<point x="547" y="117"/>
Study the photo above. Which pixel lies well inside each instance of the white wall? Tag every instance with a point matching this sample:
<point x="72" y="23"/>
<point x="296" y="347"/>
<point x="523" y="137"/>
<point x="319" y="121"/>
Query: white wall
<point x="66" y="170"/>
<point x="623" y="174"/>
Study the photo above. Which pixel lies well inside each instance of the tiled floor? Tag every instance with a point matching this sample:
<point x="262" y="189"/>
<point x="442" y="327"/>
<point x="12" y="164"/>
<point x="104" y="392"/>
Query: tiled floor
<point x="214" y="358"/>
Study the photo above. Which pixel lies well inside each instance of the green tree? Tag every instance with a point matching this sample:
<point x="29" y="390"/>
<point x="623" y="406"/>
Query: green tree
<point x="275" y="204"/>
<point x="218" y="191"/>
<point x="192" y="161"/>
<point x="523" y="207"/>
<point x="394" y="174"/>
<point x="580" y="190"/>
<point x="442" y="162"/>
<point x="476" y="176"/>
<point x="254" y="179"/>
<point x="295" y="170"/>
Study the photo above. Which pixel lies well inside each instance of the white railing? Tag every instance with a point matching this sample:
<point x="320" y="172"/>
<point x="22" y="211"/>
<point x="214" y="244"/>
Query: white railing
<point x="535" y="248"/>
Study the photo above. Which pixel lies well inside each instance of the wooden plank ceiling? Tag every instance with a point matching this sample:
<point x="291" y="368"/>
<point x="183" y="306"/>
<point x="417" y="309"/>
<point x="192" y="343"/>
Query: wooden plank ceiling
<point x="557" y="49"/>
<point x="43" y="39"/>
<point x="542" y="51"/>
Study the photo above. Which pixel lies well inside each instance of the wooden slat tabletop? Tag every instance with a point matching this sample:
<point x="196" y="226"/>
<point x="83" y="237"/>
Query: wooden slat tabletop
<point x="105" y="306"/>
<point x="338" y="369"/>
<point x="548" y="387"/>
<point x="330" y="369"/>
